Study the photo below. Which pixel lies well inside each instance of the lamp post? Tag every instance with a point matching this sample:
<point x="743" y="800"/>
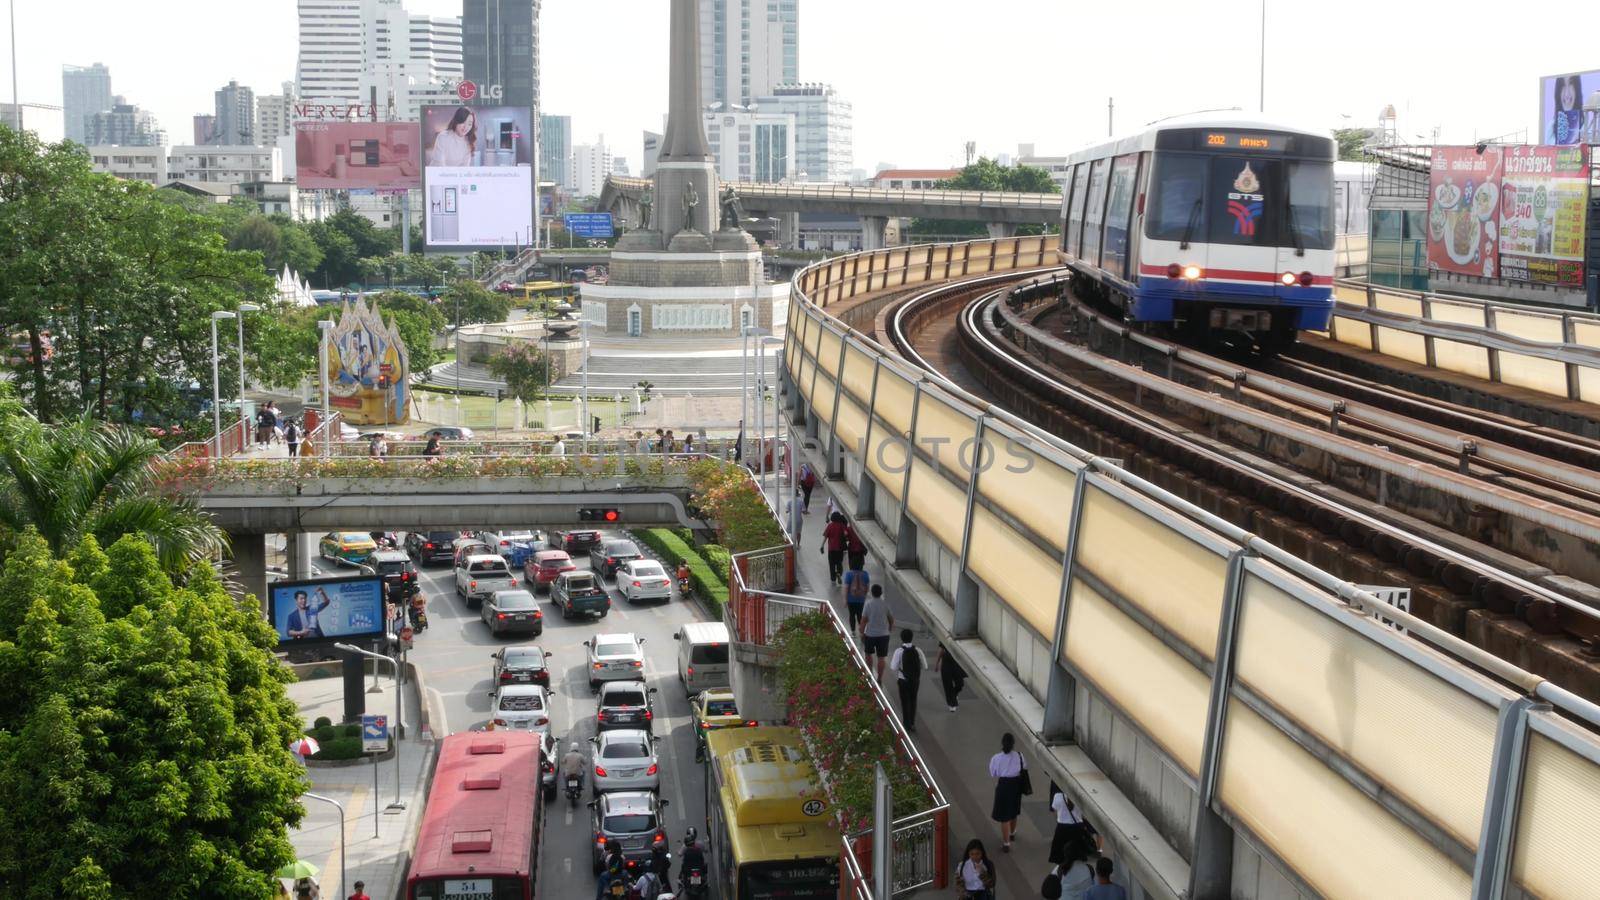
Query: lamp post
<point x="244" y="424"/>
<point x="777" y="474"/>
<point x="216" y="390"/>
<point x="340" y="807"/>
<point x="326" y="327"/>
<point x="399" y="714"/>
<point x="747" y="332"/>
<point x="583" y="427"/>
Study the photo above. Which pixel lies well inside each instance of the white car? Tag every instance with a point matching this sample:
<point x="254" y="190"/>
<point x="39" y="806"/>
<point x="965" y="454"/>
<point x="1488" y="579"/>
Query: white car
<point x="644" y="579"/>
<point x="615" y="657"/>
<point x="521" y="707"/>
<point x="501" y="541"/>
<point x="625" y="760"/>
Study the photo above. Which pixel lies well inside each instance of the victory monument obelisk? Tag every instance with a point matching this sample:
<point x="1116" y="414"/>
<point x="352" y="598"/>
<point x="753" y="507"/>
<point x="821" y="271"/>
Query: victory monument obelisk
<point x="689" y="269"/>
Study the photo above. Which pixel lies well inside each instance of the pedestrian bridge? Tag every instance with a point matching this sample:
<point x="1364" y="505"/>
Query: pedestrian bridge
<point x="1235" y="721"/>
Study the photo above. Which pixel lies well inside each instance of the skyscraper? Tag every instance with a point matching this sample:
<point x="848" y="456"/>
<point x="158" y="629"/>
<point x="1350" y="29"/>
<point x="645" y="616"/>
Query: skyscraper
<point x="125" y="124"/>
<point x="332" y="49"/>
<point x="500" y="46"/>
<point x="85" y="90"/>
<point x="373" y="51"/>
<point x="236" y="115"/>
<point x="555" y="146"/>
<point x="591" y="163"/>
<point x="748" y="47"/>
<point x="274" y="115"/>
<point x="824" y="138"/>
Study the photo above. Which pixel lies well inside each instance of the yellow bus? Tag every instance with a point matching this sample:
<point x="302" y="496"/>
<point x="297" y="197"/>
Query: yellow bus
<point x="772" y="832"/>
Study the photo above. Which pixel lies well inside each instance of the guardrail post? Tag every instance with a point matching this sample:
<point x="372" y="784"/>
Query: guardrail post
<point x="1211" y="869"/>
<point x="965" y="623"/>
<point x="1061" y="693"/>
<point x="1427" y="340"/>
<point x="1569" y="335"/>
<point x="905" y="544"/>
<point x="1493" y="865"/>
<point x="1489" y="317"/>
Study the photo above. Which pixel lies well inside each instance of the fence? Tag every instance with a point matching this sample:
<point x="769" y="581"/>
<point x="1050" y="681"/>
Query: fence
<point x="1267" y="697"/>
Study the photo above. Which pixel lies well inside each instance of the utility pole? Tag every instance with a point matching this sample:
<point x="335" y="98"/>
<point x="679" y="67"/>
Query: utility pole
<point x="1111" y="117"/>
<point x="16" y="105"/>
<point x="1263" y="97"/>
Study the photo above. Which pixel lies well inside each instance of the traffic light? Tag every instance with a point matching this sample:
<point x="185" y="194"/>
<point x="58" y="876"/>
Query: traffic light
<point x="597" y="514"/>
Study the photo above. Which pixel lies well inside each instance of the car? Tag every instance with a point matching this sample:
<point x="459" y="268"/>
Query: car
<point x="548" y="759"/>
<point x="479" y="576"/>
<point x="580" y="593"/>
<point x="505" y="540"/>
<point x="471" y="546"/>
<point x="576" y="541"/>
<point x="394" y="566"/>
<point x="431" y="546"/>
<point x="714" y="710"/>
<point x="624" y="704"/>
<point x="624" y="760"/>
<point x="631" y="821"/>
<point x="608" y="556"/>
<point x="520" y="707"/>
<point x="512" y="612"/>
<point x="348" y="432"/>
<point x="644" y="579"/>
<point x="348" y="546"/>
<point x="389" y="437"/>
<point x="543" y="567"/>
<point x="451" y="433"/>
<point x="615" y="657"/>
<point x="521" y="665"/>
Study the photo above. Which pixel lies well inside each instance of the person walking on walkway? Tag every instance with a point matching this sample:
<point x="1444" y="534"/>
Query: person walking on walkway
<point x="361" y="892"/>
<point x="854" y="548"/>
<point x="1103" y="888"/>
<point x="908" y="665"/>
<point x="951" y="677"/>
<point x="1010" y="773"/>
<point x="559" y="448"/>
<point x="808" y="483"/>
<point x="833" y="543"/>
<point x="975" y="873"/>
<point x="433" y="448"/>
<point x="876" y="624"/>
<point x="1074" y="837"/>
<point x="856" y="584"/>
<point x="291" y="437"/>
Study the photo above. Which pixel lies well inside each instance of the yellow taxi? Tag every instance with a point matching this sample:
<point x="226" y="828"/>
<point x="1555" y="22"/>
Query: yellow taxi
<point x="713" y="710"/>
<point x="350" y="546"/>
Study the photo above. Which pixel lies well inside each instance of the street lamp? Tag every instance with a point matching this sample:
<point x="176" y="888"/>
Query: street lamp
<point x="746" y="333"/>
<point x="216" y="390"/>
<point x="326" y="327"/>
<point x="340" y="807"/>
<point x="777" y="481"/>
<point x="399" y="714"/>
<point x="244" y="424"/>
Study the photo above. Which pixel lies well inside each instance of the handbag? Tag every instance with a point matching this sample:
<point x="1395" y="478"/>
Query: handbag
<point x="1051" y="889"/>
<point x="1027" y="781"/>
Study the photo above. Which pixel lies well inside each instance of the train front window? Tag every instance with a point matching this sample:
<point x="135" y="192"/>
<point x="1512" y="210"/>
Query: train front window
<point x="1310" y="204"/>
<point x="1246" y="202"/>
<point x="1177" y="192"/>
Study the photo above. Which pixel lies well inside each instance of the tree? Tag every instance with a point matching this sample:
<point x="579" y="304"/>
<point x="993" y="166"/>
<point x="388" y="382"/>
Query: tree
<point x="283" y="343"/>
<point x="1351" y="142"/>
<point x="341" y="261"/>
<point x="475" y="302"/>
<point x="423" y="271"/>
<point x="988" y="175"/>
<point x="418" y="320"/>
<point x="68" y="481"/>
<point x="143" y="741"/>
<point x="523" y="368"/>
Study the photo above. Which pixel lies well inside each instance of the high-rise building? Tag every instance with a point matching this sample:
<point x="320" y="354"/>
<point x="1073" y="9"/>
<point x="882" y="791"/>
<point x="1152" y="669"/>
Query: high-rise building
<point x="500" y="46"/>
<point x="123" y="124"/>
<point x="824" y="130"/>
<point x="236" y="115"/>
<point x="205" y="129"/>
<point x="750" y="145"/>
<point x="652" y="153"/>
<point x="332" y="49"/>
<point x="748" y="47"/>
<point x="374" y="52"/>
<point x="591" y="163"/>
<point x="85" y="90"/>
<point x="275" y="115"/>
<point x="555" y="146"/>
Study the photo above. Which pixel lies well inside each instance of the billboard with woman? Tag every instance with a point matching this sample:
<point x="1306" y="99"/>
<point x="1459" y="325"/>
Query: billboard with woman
<point x="1569" y="108"/>
<point x="477" y="175"/>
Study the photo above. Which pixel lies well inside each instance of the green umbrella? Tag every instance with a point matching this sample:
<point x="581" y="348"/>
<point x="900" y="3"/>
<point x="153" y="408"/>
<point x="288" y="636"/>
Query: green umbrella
<point x="298" y="869"/>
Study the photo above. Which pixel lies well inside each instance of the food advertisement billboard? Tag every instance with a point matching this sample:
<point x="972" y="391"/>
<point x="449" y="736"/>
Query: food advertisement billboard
<point x="1544" y="194"/>
<point x="342" y="156"/>
<point x="1569" y="108"/>
<point x="329" y="609"/>
<point x="477" y="176"/>
<point x="1464" y="199"/>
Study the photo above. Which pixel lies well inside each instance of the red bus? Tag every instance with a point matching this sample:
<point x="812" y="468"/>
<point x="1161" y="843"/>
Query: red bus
<point x="480" y="830"/>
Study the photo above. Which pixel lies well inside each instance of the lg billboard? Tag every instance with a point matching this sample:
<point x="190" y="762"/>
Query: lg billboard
<point x="477" y="176"/>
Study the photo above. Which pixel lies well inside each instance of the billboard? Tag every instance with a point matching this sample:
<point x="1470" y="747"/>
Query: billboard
<point x="1569" y="108"/>
<point x="590" y="225"/>
<point x="357" y="155"/>
<point x="330" y="609"/>
<point x="477" y="176"/>
<point x="1544" y="194"/>
<point x="1464" y="197"/>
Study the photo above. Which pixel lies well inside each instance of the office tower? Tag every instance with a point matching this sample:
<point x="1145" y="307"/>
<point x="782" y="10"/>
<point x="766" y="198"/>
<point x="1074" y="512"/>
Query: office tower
<point x="275" y="115"/>
<point x="824" y="130"/>
<point x="85" y="90"/>
<point x="751" y="145"/>
<point x="374" y="52"/>
<point x="555" y="146"/>
<point x="500" y="46"/>
<point x="236" y="115"/>
<point x="748" y="47"/>
<point x="591" y="163"/>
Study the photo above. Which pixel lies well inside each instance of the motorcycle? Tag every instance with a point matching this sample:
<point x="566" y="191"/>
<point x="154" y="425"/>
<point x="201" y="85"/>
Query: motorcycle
<point x="694" y="883"/>
<point x="574" y="789"/>
<point x="419" y="618"/>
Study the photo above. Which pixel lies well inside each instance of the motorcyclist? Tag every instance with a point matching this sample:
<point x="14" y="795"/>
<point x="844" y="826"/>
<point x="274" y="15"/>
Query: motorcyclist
<point x="613" y="875"/>
<point x="683" y="574"/>
<point x="694" y="860"/>
<point x="573" y="764"/>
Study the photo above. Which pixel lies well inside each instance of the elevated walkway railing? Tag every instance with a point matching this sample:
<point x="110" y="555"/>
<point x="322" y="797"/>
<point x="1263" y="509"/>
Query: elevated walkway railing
<point x="757" y="191"/>
<point x="1219" y="688"/>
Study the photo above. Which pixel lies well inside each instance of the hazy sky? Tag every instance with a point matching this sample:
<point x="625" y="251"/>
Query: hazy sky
<point x="924" y="75"/>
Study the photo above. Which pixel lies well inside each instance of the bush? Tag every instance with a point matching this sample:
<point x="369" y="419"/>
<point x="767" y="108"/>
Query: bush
<point x="720" y="560"/>
<point x="322" y="722"/>
<point x="702" y="577"/>
<point x="340" y="748"/>
<point x="324" y="734"/>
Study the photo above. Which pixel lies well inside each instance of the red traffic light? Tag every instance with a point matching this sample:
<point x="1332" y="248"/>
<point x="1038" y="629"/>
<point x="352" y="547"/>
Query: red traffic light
<point x="612" y="515"/>
<point x="599" y="515"/>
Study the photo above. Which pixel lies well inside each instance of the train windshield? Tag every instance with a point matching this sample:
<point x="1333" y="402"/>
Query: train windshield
<point x="1242" y="200"/>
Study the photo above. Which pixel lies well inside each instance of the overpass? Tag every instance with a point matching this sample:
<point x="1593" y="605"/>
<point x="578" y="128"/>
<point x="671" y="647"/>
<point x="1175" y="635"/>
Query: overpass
<point x="1235" y="721"/>
<point x="1001" y="211"/>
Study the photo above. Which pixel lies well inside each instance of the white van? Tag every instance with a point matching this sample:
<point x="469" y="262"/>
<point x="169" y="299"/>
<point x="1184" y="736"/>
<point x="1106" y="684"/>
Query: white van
<point x="703" y="656"/>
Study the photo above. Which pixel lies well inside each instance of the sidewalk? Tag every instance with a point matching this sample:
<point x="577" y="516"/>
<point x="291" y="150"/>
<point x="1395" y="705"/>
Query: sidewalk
<point x="379" y="861"/>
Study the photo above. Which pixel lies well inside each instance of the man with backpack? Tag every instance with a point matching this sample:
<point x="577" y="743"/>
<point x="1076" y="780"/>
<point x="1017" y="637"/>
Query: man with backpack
<point x="856" y="584"/>
<point x="908" y="664"/>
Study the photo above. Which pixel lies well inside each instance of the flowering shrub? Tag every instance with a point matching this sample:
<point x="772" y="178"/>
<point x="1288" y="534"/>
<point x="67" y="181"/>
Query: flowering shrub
<point x="176" y="473"/>
<point x="830" y="700"/>
<point x="725" y="494"/>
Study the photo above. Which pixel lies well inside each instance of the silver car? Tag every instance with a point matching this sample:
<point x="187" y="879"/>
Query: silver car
<point x="625" y="760"/>
<point x="615" y="657"/>
<point x="644" y="579"/>
<point x="521" y="707"/>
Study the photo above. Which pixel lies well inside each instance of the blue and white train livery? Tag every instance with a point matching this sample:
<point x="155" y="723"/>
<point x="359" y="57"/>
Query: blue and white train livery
<point x="1221" y="222"/>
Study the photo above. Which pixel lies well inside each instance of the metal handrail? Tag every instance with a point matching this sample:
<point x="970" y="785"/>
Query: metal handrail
<point x="760" y="190"/>
<point x="1564" y="353"/>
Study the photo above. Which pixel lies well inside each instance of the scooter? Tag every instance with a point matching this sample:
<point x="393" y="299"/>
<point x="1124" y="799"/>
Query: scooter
<point x="419" y="618"/>
<point x="694" y="884"/>
<point x="574" y="789"/>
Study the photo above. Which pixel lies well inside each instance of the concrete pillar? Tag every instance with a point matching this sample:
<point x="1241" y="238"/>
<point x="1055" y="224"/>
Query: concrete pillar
<point x="1211" y="870"/>
<point x="905" y="543"/>
<point x="789" y="230"/>
<point x="872" y="232"/>
<point x="965" y="624"/>
<point x="866" y="496"/>
<point x="998" y="230"/>
<point x="250" y="564"/>
<point x="300" y="548"/>
<point x="1060" y="700"/>
<point x="753" y="674"/>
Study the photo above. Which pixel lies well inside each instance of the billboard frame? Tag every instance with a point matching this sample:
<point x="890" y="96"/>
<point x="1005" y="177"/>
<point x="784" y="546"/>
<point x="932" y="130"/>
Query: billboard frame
<point x="379" y="635"/>
<point x="531" y="237"/>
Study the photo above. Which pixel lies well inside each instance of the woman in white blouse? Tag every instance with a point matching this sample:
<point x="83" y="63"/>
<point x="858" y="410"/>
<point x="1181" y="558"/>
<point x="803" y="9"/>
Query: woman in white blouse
<point x="456" y="142"/>
<point x="1006" y="768"/>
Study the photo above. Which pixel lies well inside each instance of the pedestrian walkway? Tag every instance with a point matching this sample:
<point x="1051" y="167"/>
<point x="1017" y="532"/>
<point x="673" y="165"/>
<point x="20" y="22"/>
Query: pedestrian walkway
<point x="374" y="853"/>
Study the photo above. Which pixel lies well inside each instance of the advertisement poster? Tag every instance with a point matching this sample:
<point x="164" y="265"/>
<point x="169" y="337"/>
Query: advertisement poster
<point x="357" y="155"/>
<point x="477" y="176"/>
<point x="330" y="609"/>
<point x="369" y="367"/>
<point x="1544" y="194"/>
<point x="1569" y="108"/>
<point x="1464" y="198"/>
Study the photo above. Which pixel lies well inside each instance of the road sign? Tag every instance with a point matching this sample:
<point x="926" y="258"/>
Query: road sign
<point x="405" y="633"/>
<point x="590" y="225"/>
<point x="374" y="734"/>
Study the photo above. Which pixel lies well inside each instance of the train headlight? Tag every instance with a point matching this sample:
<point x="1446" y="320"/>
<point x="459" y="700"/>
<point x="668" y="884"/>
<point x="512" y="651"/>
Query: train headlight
<point x="1192" y="273"/>
<point x="1288" y="278"/>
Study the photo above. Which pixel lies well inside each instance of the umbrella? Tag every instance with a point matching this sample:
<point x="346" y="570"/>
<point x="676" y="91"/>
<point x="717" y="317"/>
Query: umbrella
<point x="303" y="748"/>
<point x="298" y="869"/>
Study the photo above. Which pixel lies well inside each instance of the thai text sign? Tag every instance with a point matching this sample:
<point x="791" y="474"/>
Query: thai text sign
<point x="1544" y="194"/>
<point x="1464" y="195"/>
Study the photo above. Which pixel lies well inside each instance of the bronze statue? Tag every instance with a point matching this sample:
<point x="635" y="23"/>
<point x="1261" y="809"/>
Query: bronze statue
<point x="645" y="204"/>
<point x="691" y="199"/>
<point x="732" y="210"/>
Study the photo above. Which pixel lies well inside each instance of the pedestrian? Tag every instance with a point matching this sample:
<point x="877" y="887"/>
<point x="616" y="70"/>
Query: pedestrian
<point x="808" y="483"/>
<point x="1010" y="773"/>
<point x="264" y="425"/>
<point x="876" y="623"/>
<point x="360" y="893"/>
<point x="688" y="443"/>
<point x="277" y="422"/>
<point x="831" y="509"/>
<point x="1074" y="837"/>
<point x="670" y="444"/>
<point x="433" y="449"/>
<point x="641" y="443"/>
<point x="856" y="584"/>
<point x="1103" y="888"/>
<point x="1073" y="878"/>
<point x="559" y="448"/>
<point x="951" y="677"/>
<point x="291" y="437"/>
<point x="855" y="549"/>
<point x="975" y="873"/>
<point x="908" y="665"/>
<point x="376" y="448"/>
<point x="661" y="441"/>
<point x="833" y="544"/>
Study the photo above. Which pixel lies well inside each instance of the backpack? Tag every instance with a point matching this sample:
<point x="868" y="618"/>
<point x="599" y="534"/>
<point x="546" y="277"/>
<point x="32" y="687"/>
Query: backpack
<point x="618" y="887"/>
<point x="911" y="664"/>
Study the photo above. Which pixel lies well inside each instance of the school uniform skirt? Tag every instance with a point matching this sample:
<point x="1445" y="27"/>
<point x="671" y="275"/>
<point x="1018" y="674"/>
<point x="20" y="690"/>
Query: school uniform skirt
<point x="1007" y="799"/>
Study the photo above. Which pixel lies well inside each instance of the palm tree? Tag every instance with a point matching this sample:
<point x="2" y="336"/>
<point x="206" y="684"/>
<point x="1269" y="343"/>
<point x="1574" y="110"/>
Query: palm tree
<point x="85" y="477"/>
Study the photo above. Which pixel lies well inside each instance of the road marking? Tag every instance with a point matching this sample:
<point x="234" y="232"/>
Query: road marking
<point x="566" y="863"/>
<point x="672" y="755"/>
<point x="569" y="822"/>
<point x="442" y="727"/>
